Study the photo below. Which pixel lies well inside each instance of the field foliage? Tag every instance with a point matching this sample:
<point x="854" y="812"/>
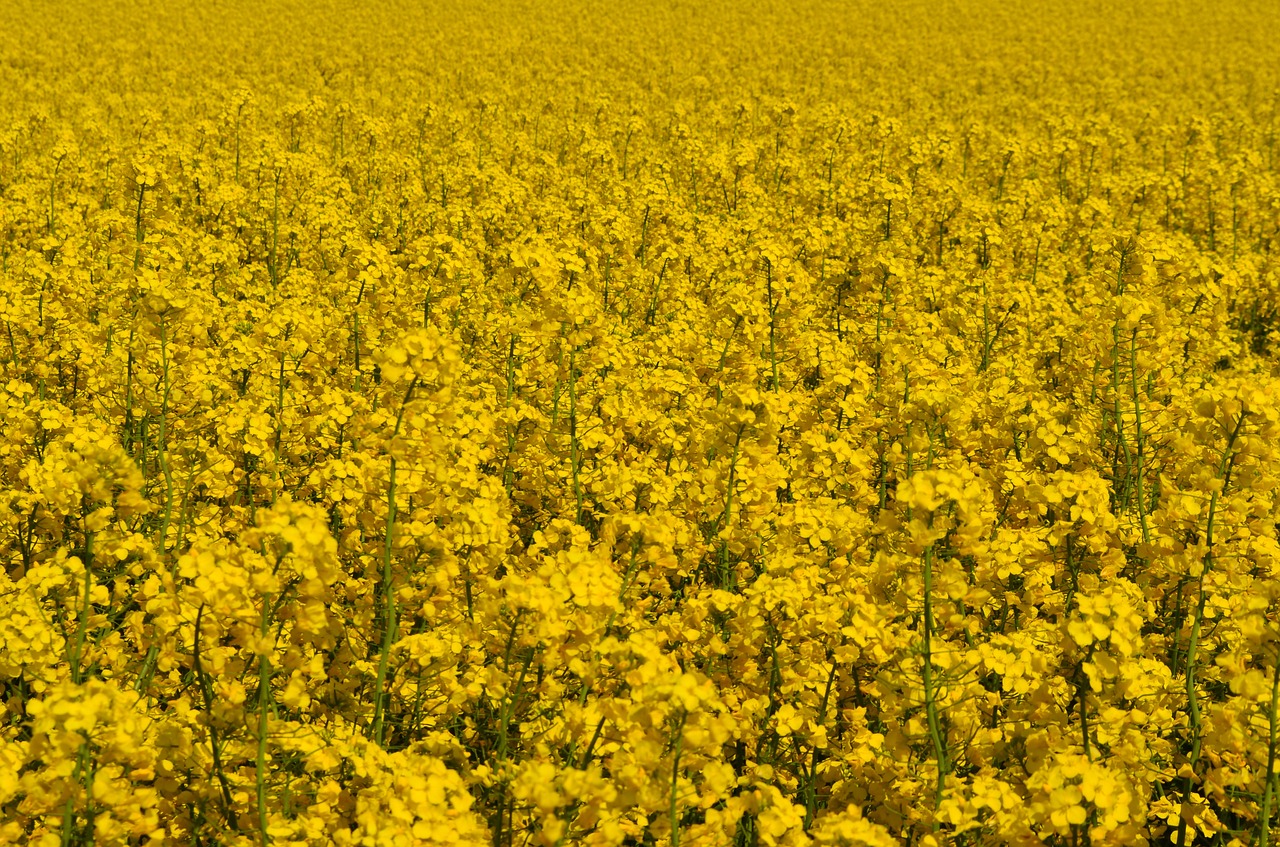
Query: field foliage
<point x="674" y="423"/>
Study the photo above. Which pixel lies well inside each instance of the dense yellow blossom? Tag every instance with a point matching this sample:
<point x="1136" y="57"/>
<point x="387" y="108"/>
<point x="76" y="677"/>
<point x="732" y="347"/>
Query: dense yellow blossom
<point x="725" y="424"/>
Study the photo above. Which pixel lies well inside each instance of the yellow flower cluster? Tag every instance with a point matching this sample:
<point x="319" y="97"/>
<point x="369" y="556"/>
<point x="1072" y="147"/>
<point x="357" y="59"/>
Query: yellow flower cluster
<point x="709" y="424"/>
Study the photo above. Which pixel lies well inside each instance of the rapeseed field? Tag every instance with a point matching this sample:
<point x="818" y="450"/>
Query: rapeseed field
<point x="737" y="422"/>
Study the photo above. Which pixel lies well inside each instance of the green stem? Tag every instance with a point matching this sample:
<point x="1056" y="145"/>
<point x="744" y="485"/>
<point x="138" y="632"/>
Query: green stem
<point x="139" y="235"/>
<point x="1193" y="701"/>
<point x="508" y="472"/>
<point x="1120" y="488"/>
<point x="163" y="451"/>
<point x="264" y="700"/>
<point x="575" y="457"/>
<point x="675" y="779"/>
<point x="215" y="745"/>
<point x="1264" y="814"/>
<point x="388" y="587"/>
<point x="930" y="691"/>
<point x="273" y="255"/>
<point x="773" y="311"/>
<point x="53" y="188"/>
<point x="1140" y="439"/>
<point x="728" y="507"/>
<point x="82" y="626"/>
<point x="275" y="471"/>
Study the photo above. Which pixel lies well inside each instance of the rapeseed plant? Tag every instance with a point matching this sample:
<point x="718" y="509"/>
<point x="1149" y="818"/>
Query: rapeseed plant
<point x="741" y="424"/>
